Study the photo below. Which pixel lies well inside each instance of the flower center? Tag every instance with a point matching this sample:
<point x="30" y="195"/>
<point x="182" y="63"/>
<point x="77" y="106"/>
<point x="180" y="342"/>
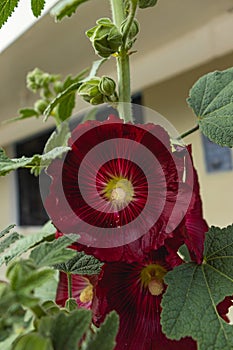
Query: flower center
<point x="152" y="278"/>
<point x="119" y="191"/>
<point x="87" y="294"/>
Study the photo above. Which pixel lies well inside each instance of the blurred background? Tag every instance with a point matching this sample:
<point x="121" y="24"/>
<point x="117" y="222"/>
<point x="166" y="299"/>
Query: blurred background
<point x="179" y="41"/>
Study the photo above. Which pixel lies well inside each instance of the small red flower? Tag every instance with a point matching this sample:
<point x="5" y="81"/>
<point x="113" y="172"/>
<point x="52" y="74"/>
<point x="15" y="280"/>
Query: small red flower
<point x="82" y="289"/>
<point x="135" y="292"/>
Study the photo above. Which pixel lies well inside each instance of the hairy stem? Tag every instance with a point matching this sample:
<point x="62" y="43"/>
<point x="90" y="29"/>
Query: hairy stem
<point x="123" y="68"/>
<point x="69" y="280"/>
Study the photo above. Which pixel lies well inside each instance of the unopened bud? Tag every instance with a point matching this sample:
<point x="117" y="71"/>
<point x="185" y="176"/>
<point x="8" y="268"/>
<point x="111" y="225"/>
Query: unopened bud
<point x="107" y="86"/>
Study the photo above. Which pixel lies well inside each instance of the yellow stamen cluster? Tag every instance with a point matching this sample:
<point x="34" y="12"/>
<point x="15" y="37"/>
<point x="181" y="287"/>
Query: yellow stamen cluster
<point x="87" y="294"/>
<point x="119" y="191"/>
<point x="152" y="278"/>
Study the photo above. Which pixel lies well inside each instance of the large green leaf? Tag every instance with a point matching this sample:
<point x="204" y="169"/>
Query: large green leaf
<point x="106" y="335"/>
<point x="189" y="306"/>
<point x="211" y="99"/>
<point x="26" y="242"/>
<point x="81" y="264"/>
<point x="67" y="330"/>
<point x="55" y="252"/>
<point x="7" y="7"/>
<point x="37" y="7"/>
<point x="66" y="8"/>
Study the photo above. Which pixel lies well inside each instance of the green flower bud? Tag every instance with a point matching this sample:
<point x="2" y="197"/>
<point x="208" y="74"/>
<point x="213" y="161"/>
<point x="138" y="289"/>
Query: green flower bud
<point x="40" y="106"/>
<point x="89" y="87"/>
<point x="134" y="29"/>
<point x="58" y="86"/>
<point x="105" y="37"/>
<point x="147" y="3"/>
<point x="107" y="86"/>
<point x="97" y="100"/>
<point x="89" y="91"/>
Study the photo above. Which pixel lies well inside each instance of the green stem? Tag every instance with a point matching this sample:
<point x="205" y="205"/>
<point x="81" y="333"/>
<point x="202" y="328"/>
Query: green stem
<point x="132" y="13"/>
<point x="118" y="16"/>
<point x="123" y="69"/>
<point x="188" y="132"/>
<point x="69" y="280"/>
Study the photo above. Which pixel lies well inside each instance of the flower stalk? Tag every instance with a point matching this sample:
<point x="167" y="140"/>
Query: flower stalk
<point x="69" y="280"/>
<point x="189" y="132"/>
<point x="123" y="68"/>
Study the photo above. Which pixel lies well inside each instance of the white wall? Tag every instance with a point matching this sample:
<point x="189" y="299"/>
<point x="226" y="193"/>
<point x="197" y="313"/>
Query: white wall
<point x="169" y="99"/>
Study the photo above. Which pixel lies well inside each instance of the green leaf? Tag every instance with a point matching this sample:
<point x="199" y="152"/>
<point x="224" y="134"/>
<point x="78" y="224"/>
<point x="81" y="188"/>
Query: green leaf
<point x="24" y="113"/>
<point x="81" y="264"/>
<point x="60" y="98"/>
<point x="48" y="290"/>
<point x="35" y="279"/>
<point x="66" y="106"/>
<point x="24" y="277"/>
<point x="58" y="138"/>
<point x="211" y="99"/>
<point x="32" y="341"/>
<point x="4" y="244"/>
<point x="55" y="252"/>
<point x="194" y="291"/>
<point x="106" y="335"/>
<point x="66" y="8"/>
<point x="7" y="164"/>
<point x="147" y="3"/>
<point x="7" y="7"/>
<point x="35" y="163"/>
<point x="27" y="242"/>
<point x="94" y="69"/>
<point x="6" y="230"/>
<point x="37" y="7"/>
<point x="184" y="252"/>
<point x="40" y="162"/>
<point x="67" y="330"/>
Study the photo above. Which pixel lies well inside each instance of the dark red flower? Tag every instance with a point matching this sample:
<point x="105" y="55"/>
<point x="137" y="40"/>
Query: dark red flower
<point x="122" y="188"/>
<point x="135" y="292"/>
<point x="82" y="289"/>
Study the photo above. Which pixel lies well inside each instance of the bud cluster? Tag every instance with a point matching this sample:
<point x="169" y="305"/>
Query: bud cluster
<point x="98" y="90"/>
<point x="105" y="37"/>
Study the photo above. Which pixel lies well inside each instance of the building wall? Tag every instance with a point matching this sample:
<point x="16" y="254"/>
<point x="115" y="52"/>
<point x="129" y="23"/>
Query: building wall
<point x="169" y="99"/>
